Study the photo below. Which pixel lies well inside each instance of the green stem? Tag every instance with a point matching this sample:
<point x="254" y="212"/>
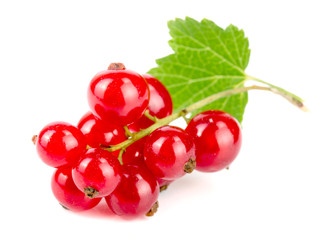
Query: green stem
<point x="284" y="93"/>
<point x="165" y="121"/>
<point x="148" y="115"/>
<point x="186" y="119"/>
<point x="127" y="131"/>
<point x="122" y="150"/>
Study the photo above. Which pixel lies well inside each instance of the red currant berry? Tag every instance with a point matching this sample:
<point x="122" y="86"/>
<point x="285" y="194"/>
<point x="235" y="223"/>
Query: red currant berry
<point x="60" y="144"/>
<point x="120" y="96"/>
<point x="134" y="153"/>
<point x="218" y="137"/>
<point x="134" y="156"/>
<point x="98" y="132"/>
<point x="97" y="173"/>
<point x="67" y="194"/>
<point x="136" y="194"/>
<point x="160" y="104"/>
<point x="169" y="152"/>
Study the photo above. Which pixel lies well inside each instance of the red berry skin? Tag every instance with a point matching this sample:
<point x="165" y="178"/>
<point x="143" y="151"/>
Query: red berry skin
<point x="60" y="144"/>
<point x="134" y="156"/>
<point x="218" y="138"/>
<point x="118" y="96"/>
<point x="162" y="182"/>
<point x="167" y="150"/>
<point x="68" y="194"/>
<point x="97" y="169"/>
<point x="134" y="153"/>
<point x="98" y="132"/>
<point x="160" y="104"/>
<point x="136" y="193"/>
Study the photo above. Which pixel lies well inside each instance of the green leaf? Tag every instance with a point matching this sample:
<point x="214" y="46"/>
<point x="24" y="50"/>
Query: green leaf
<point x="207" y="59"/>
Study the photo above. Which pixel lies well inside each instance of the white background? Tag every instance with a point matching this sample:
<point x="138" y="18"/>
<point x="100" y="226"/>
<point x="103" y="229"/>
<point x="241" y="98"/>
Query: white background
<point x="282" y="184"/>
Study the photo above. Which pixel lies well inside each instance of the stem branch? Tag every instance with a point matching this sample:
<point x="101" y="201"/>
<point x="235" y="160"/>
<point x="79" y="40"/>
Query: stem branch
<point x="122" y="150"/>
<point x="148" y="115"/>
<point x="127" y="131"/>
<point x="165" y="121"/>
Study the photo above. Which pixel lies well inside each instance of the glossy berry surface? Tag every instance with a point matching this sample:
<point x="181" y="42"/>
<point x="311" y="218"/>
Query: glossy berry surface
<point x="134" y="153"/>
<point x="168" y="151"/>
<point x="218" y="137"/>
<point x="97" y="173"/>
<point x="68" y="194"/>
<point x="163" y="183"/>
<point x="60" y="144"/>
<point x="134" y="156"/>
<point x="160" y="104"/>
<point x="136" y="194"/>
<point x="98" y="132"/>
<point x="118" y="96"/>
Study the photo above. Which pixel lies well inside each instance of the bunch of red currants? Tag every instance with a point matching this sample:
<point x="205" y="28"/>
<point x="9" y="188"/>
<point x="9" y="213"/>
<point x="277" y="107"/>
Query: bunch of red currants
<point x="93" y="160"/>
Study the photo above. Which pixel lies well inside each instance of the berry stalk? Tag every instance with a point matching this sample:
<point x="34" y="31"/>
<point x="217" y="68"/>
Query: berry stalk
<point x="165" y="121"/>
